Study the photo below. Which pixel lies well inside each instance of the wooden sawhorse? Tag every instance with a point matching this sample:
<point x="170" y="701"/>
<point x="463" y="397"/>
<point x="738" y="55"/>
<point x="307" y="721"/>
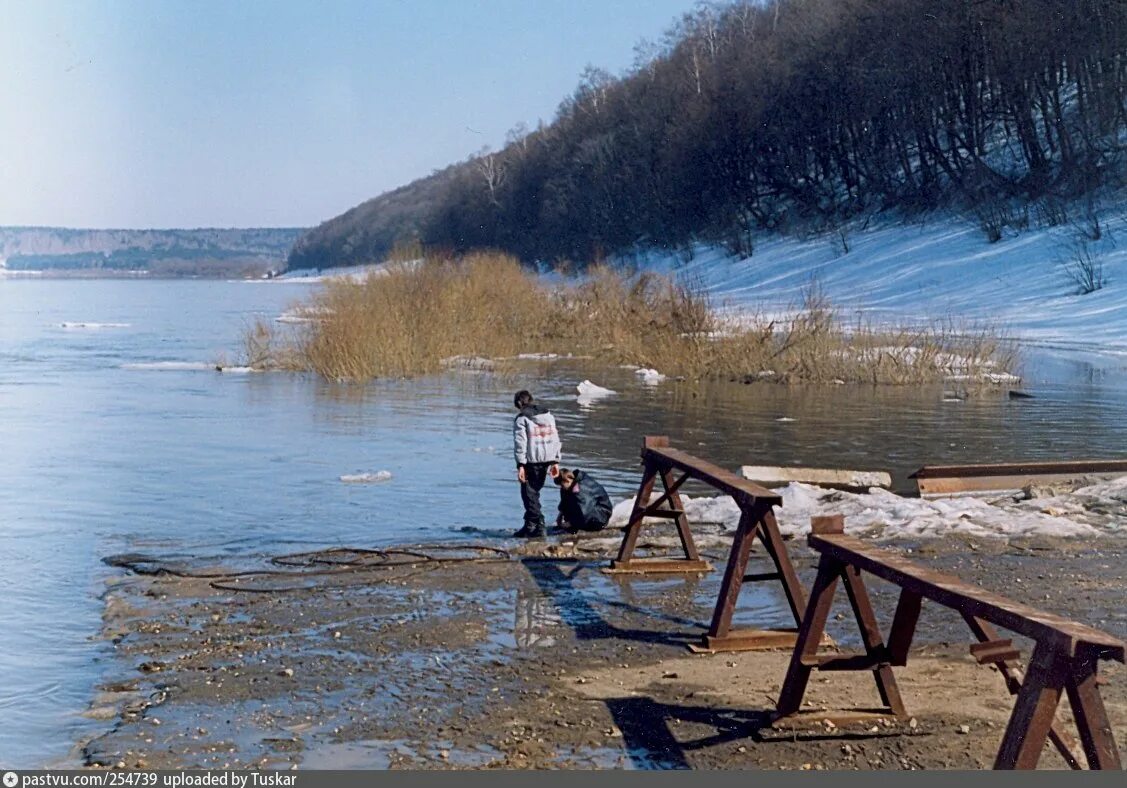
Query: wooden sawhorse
<point x="1065" y="656"/>
<point x="757" y="519"/>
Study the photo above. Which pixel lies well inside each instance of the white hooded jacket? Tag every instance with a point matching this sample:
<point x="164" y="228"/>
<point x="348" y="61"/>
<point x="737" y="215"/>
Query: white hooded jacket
<point x="535" y="438"/>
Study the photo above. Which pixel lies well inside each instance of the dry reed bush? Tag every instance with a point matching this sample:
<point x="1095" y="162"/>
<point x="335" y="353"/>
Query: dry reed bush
<point x="645" y="320"/>
<point x="265" y="348"/>
<point x="405" y="319"/>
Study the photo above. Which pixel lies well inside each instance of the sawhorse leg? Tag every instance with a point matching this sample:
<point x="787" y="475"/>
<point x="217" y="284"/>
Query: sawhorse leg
<point x="877" y="656"/>
<point x="756" y="521"/>
<point x="668" y="506"/>
<point x="1012" y="674"/>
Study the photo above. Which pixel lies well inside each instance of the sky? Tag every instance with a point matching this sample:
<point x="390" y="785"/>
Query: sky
<point x="163" y="113"/>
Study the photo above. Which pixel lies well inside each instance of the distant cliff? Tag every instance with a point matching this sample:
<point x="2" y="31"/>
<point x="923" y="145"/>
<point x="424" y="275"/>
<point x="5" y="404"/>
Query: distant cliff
<point x="199" y="252"/>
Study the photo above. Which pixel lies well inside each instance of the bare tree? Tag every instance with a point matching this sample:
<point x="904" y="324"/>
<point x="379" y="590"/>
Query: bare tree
<point x="492" y="169"/>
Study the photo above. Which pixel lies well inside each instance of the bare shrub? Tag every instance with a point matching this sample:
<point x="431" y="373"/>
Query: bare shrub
<point x="264" y="347"/>
<point x="995" y="215"/>
<point x="740" y="238"/>
<point x="406" y="251"/>
<point x="1084" y="267"/>
<point x="1090" y="226"/>
<point x="1051" y="212"/>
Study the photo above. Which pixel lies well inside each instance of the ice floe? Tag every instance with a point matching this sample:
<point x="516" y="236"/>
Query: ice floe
<point x="469" y="363"/>
<point x="1088" y="511"/>
<point x="590" y="392"/>
<point x="366" y="478"/>
<point x="651" y="377"/>
<point x="84" y="324"/>
<point x="303" y="314"/>
<point x="189" y="366"/>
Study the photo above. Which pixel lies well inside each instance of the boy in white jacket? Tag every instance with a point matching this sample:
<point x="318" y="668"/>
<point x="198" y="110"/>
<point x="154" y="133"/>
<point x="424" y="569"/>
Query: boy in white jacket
<point x="536" y="448"/>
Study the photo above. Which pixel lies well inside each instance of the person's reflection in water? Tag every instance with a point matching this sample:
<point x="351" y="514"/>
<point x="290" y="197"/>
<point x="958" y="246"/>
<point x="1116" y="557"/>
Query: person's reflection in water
<point x="536" y="618"/>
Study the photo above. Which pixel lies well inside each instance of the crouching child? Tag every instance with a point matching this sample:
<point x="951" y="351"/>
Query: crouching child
<point x="584" y="504"/>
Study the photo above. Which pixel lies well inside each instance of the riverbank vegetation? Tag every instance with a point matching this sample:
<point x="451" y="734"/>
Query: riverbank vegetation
<point x="410" y="319"/>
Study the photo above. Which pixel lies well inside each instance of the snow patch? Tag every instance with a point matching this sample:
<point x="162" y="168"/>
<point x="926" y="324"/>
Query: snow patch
<point x="887" y="515"/>
<point x="356" y="273"/>
<point x="899" y="274"/>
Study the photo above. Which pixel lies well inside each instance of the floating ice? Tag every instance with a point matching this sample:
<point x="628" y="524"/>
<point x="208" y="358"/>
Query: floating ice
<point x="721" y="510"/>
<point x="289" y="318"/>
<point x="471" y="363"/>
<point x="189" y="366"/>
<point x="651" y="377"/>
<point x="303" y="314"/>
<point x="83" y="324"/>
<point x="366" y="478"/>
<point x="170" y="365"/>
<point x="589" y="392"/>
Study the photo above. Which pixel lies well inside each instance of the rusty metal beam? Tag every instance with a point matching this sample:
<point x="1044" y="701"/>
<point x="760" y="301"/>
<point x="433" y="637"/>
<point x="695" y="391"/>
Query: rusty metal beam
<point x="955" y="479"/>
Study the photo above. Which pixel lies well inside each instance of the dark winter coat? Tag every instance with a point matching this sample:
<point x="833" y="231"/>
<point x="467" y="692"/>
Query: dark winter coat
<point x="586" y="506"/>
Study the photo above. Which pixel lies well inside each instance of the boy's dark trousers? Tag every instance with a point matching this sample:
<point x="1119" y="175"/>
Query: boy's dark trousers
<point x="535" y="474"/>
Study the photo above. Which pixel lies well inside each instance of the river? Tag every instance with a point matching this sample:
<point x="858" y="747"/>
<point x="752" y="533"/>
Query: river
<point x="118" y="435"/>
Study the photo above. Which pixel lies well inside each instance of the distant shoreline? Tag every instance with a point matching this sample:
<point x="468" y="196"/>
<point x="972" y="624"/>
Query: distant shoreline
<point x="118" y="275"/>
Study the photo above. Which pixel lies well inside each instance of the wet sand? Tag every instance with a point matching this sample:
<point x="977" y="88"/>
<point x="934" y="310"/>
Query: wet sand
<point x="541" y="660"/>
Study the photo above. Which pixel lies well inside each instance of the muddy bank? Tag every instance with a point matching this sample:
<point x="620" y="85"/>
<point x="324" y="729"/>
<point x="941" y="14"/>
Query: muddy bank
<point x="538" y="659"/>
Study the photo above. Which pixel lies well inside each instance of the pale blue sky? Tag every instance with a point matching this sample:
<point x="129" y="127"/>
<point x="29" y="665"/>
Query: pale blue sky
<point x="186" y="114"/>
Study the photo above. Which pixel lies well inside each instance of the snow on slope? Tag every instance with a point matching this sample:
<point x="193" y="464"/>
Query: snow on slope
<point x="356" y="273"/>
<point x="1089" y="511"/>
<point x="944" y="269"/>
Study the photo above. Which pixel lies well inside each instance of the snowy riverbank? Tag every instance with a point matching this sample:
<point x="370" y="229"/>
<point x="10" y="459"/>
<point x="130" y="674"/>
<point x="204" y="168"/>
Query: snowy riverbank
<point x="1091" y="510"/>
<point x="942" y="270"/>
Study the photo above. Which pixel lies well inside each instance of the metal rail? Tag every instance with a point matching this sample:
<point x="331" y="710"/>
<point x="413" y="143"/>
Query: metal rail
<point x="954" y="479"/>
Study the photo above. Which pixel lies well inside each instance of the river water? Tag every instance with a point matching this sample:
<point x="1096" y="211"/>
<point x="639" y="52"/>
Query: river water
<point x="117" y="437"/>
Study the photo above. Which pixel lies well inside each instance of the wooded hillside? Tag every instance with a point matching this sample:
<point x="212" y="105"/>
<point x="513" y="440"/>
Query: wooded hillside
<point x="758" y="116"/>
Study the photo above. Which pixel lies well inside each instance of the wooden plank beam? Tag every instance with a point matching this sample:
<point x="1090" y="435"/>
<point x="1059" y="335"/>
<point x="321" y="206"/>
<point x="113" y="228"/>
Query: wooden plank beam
<point x="1049" y="628"/>
<point x="713" y="475"/>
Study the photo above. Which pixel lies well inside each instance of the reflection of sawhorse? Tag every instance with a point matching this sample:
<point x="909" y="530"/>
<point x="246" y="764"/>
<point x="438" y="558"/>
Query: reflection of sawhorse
<point x="757" y="519"/>
<point x="1065" y="657"/>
